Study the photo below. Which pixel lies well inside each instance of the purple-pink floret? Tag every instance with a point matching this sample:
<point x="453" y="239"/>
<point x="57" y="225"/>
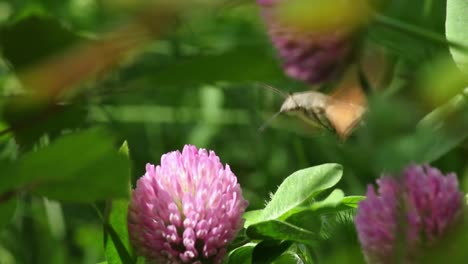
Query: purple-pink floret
<point x="408" y="213"/>
<point x="312" y="57"/>
<point x="187" y="209"/>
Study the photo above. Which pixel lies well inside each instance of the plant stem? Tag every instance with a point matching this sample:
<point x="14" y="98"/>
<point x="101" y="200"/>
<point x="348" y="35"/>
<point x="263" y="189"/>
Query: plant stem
<point x="418" y="31"/>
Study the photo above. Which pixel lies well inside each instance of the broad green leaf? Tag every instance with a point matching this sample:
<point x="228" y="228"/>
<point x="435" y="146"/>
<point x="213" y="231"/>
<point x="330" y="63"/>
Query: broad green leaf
<point x="447" y="125"/>
<point x="313" y="218"/>
<point x="300" y="187"/>
<point x="306" y="219"/>
<point x="269" y="250"/>
<point x="106" y="177"/>
<point x="32" y="121"/>
<point x="279" y="230"/>
<point x="241" y="255"/>
<point x="309" y="217"/>
<point x="352" y="201"/>
<point x="456" y="30"/>
<point x="289" y="257"/>
<point x="436" y="134"/>
<point x="332" y="201"/>
<point x="48" y="35"/>
<point x="252" y="217"/>
<point x="60" y="160"/>
<point x="81" y="167"/>
<point x="117" y="245"/>
<point x="7" y="209"/>
<point x="299" y="254"/>
<point x="245" y="63"/>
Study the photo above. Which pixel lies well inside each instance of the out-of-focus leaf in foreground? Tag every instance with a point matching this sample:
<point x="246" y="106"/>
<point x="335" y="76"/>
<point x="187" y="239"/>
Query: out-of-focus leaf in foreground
<point x="33" y="39"/>
<point x="439" y="132"/>
<point x="456" y="30"/>
<point x="237" y="65"/>
<point x="7" y="209"/>
<point x="80" y="167"/>
<point x="117" y="245"/>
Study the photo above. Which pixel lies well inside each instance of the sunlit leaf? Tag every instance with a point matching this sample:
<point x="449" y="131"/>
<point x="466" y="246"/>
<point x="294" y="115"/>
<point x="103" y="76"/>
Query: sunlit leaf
<point x="252" y="217"/>
<point x="352" y="201"/>
<point x="242" y="254"/>
<point x="456" y="25"/>
<point x="279" y="230"/>
<point x="332" y="200"/>
<point x="117" y="245"/>
<point x="300" y="187"/>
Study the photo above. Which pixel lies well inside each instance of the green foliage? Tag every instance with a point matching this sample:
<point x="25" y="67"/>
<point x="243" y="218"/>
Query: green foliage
<point x="294" y="215"/>
<point x="82" y="175"/>
<point x="242" y="254"/>
<point x="47" y="33"/>
<point x="199" y="84"/>
<point x="300" y="188"/>
<point x="456" y="25"/>
<point x="117" y="245"/>
<point x="7" y="209"/>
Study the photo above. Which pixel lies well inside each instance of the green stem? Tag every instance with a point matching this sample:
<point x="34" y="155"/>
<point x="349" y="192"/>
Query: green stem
<point x="418" y="31"/>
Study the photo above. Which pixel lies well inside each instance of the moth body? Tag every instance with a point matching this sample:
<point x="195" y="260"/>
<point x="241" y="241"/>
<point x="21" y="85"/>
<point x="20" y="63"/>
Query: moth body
<point x="320" y="110"/>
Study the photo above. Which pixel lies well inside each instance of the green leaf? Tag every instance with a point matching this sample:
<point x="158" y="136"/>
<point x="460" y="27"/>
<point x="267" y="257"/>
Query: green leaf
<point x="289" y="257"/>
<point x="310" y="218"/>
<point x="306" y="219"/>
<point x="117" y="244"/>
<point x="447" y="126"/>
<point x="7" y="210"/>
<point x="207" y="69"/>
<point x="241" y="255"/>
<point x="279" y="230"/>
<point x="47" y="34"/>
<point x="32" y="121"/>
<point x="332" y="200"/>
<point x="106" y="177"/>
<point x="124" y="149"/>
<point x="436" y="134"/>
<point x="456" y="26"/>
<point x="269" y="250"/>
<point x="299" y="254"/>
<point x="352" y="201"/>
<point x="252" y="217"/>
<point x="300" y="187"/>
<point x="81" y="167"/>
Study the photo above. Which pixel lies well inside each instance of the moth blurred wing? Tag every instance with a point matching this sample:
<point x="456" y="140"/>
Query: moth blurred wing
<point x="344" y="117"/>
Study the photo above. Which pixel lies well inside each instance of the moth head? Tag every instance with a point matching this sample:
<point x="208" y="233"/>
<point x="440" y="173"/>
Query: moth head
<point x="290" y="106"/>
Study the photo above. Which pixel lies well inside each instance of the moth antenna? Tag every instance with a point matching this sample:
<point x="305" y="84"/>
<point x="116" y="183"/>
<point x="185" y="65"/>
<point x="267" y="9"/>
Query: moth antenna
<point x="271" y="88"/>
<point x="268" y="122"/>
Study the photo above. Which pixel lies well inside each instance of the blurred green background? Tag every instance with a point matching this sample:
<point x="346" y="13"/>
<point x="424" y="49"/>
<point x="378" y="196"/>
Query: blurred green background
<point x="198" y="85"/>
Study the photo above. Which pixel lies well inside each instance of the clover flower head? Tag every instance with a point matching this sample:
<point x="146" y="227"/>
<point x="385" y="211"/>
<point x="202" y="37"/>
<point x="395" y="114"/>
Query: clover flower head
<point x="412" y="211"/>
<point x="187" y="209"/>
<point x="308" y="56"/>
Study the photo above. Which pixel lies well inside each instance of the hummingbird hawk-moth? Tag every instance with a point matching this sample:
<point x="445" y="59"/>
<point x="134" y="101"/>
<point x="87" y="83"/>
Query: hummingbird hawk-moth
<point x="321" y="110"/>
